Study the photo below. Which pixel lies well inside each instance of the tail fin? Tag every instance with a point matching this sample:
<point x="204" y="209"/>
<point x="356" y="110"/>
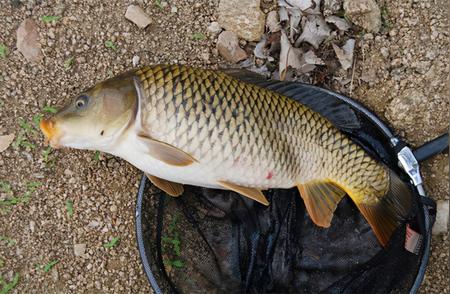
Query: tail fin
<point x="385" y="216"/>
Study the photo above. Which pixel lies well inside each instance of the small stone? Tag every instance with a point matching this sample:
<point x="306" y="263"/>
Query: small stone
<point x="214" y="28"/>
<point x="28" y="41"/>
<point x="384" y="51"/>
<point x="228" y="47"/>
<point x="68" y="172"/>
<point x="364" y="13"/>
<point x="243" y="17"/>
<point x="332" y="7"/>
<point x="79" y="249"/>
<point x="138" y="16"/>
<point x="174" y="9"/>
<point x="135" y="60"/>
<point x="402" y="110"/>
<point x="59" y="9"/>
<point x="51" y="34"/>
<point x="55" y="275"/>
<point x="204" y="56"/>
<point x="441" y="224"/>
<point x="32" y="226"/>
<point x="113" y="208"/>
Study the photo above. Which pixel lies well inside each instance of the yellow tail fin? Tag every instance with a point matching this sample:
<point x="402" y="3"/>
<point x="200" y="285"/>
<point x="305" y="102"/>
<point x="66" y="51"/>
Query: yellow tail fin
<point x="385" y="216"/>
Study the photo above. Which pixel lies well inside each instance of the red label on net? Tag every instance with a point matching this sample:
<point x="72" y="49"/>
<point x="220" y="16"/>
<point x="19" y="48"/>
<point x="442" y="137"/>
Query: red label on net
<point x="413" y="240"/>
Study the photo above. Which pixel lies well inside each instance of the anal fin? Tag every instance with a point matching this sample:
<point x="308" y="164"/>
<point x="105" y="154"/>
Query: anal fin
<point x="171" y="188"/>
<point x="321" y="199"/>
<point x="252" y="193"/>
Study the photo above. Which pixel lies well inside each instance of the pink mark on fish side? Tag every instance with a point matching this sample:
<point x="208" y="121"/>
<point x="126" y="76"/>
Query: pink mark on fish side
<point x="269" y="175"/>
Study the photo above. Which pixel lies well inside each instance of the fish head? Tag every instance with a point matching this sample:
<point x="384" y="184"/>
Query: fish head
<point x="96" y="118"/>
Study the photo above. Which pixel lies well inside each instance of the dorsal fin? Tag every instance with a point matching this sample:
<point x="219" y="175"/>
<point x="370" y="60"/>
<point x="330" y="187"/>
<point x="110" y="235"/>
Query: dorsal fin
<point x="340" y="114"/>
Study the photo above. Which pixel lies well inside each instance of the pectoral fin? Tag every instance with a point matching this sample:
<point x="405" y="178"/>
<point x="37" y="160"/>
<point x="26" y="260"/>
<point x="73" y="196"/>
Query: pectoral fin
<point x="251" y="193"/>
<point x="321" y="199"/>
<point x="167" y="153"/>
<point x="171" y="188"/>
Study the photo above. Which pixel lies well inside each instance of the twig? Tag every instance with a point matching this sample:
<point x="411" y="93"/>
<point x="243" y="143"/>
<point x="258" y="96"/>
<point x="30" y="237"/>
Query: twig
<point x="353" y="74"/>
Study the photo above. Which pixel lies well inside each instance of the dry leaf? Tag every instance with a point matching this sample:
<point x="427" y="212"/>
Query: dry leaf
<point x="340" y="23"/>
<point x="306" y="6"/>
<point x="345" y="54"/>
<point x="282" y="12"/>
<point x="272" y="22"/>
<point x="311" y="58"/>
<point x="5" y="141"/>
<point x="315" y="31"/>
<point x="289" y="56"/>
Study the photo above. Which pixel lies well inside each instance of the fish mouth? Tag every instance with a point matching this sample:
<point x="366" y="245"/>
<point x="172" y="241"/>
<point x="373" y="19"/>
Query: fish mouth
<point x="51" y="132"/>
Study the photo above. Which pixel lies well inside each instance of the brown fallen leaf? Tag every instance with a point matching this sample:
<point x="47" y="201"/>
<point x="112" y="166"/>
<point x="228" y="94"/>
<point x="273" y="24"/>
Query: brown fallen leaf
<point x="5" y="141"/>
<point x="345" y="54"/>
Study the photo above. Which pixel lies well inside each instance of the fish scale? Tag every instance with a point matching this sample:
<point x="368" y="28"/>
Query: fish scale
<point x="229" y="124"/>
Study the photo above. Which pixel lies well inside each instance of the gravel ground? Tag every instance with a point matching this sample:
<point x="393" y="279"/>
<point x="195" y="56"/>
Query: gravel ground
<point x="407" y="59"/>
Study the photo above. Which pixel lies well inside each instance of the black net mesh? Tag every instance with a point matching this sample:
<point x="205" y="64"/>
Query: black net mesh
<point x="215" y="241"/>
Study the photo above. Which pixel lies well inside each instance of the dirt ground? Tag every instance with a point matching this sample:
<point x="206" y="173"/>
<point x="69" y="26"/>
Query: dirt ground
<point x="407" y="59"/>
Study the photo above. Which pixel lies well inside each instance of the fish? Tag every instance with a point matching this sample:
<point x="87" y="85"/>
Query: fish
<point x="183" y="125"/>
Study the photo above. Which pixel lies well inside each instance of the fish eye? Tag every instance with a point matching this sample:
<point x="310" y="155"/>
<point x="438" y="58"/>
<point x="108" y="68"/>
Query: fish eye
<point x="81" y="101"/>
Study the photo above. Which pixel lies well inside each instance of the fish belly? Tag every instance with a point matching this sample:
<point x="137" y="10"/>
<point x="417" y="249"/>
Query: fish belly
<point x="200" y="173"/>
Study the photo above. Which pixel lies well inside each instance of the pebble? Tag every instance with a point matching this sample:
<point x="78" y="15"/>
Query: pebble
<point x="214" y="28"/>
<point x="441" y="224"/>
<point x="364" y="13"/>
<point x="332" y="7"/>
<point x="138" y="16"/>
<point x="28" y="41"/>
<point x="243" y="17"/>
<point x="228" y="47"/>
<point x="32" y="226"/>
<point x="135" y="60"/>
<point x="174" y="9"/>
<point x="79" y="249"/>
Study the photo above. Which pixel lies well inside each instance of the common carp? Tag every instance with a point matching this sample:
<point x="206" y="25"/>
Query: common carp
<point x="183" y="125"/>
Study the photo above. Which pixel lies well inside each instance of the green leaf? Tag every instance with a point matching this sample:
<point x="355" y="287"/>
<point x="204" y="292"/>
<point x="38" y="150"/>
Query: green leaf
<point x="2" y="263"/>
<point x="9" y="286"/>
<point x="177" y="263"/>
<point x="114" y="241"/>
<point x="37" y="120"/>
<point x="9" y="242"/>
<point x="50" y="18"/>
<point x="25" y="126"/>
<point x="158" y="4"/>
<point x="46" y="152"/>
<point x="69" y="207"/>
<point x="31" y="186"/>
<point x="5" y="187"/>
<point x="68" y="63"/>
<point x="97" y="155"/>
<point x="49" y="109"/>
<point x="3" y="50"/>
<point x="49" y="265"/>
<point x="110" y="44"/>
<point x="198" y="36"/>
<point x="26" y="144"/>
